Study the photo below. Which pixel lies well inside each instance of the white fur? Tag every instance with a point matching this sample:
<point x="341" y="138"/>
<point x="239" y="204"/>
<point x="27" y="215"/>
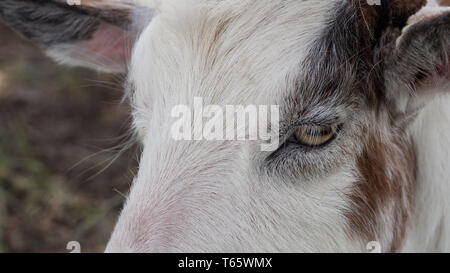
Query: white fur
<point x="204" y="196"/>
<point x="207" y="196"/>
<point x="431" y="228"/>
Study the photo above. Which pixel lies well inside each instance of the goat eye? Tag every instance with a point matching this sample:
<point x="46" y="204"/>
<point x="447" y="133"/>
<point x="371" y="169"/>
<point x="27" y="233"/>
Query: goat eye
<point x="315" y="136"/>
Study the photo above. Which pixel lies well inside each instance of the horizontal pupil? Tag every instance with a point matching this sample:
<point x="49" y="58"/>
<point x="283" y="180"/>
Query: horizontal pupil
<point x="318" y="132"/>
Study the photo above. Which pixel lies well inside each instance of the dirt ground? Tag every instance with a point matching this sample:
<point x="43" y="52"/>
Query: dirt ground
<point x="60" y="129"/>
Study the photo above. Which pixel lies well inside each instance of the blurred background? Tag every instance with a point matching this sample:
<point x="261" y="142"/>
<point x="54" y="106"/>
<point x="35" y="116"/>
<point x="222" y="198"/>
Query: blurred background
<point x="62" y="174"/>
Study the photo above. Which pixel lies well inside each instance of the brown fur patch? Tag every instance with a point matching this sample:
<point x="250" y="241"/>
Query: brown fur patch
<point x="405" y="7"/>
<point x="445" y="3"/>
<point x="382" y="198"/>
<point x="369" y="13"/>
<point x="375" y="18"/>
<point x="395" y="8"/>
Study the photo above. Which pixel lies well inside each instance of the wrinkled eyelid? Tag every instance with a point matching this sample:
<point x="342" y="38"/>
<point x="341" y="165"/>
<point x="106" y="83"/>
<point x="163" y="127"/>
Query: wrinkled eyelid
<point x="288" y="126"/>
<point x="324" y="116"/>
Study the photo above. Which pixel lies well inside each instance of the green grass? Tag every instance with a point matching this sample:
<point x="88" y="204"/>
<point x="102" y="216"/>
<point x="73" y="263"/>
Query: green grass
<point x="43" y="206"/>
<point x="37" y="199"/>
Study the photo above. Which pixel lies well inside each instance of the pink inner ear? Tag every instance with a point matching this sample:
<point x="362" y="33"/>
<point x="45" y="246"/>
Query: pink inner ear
<point x="109" y="46"/>
<point x="441" y="72"/>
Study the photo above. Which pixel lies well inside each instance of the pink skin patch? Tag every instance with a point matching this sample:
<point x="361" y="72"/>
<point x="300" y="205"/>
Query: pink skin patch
<point x="109" y="46"/>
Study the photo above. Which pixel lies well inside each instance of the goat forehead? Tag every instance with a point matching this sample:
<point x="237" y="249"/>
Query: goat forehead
<point x="250" y="48"/>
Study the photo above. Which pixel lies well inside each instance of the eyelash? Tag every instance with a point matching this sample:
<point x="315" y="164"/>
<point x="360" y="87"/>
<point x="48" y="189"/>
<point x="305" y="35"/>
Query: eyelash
<point x="310" y="133"/>
<point x="299" y="152"/>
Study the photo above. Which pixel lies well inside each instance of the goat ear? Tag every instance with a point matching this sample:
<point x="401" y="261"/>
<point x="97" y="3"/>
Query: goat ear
<point x="419" y="66"/>
<point x="98" y="34"/>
